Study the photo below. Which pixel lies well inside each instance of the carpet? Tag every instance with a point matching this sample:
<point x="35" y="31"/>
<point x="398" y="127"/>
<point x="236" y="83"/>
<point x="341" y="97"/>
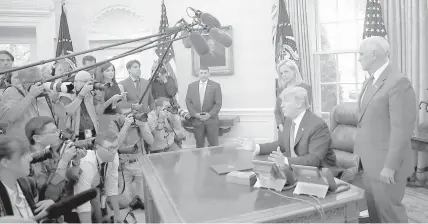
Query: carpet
<point x="416" y="205"/>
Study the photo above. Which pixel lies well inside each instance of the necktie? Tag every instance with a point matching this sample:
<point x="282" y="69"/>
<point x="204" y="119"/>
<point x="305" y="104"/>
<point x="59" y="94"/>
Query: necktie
<point x="368" y="91"/>
<point x="292" y="130"/>
<point x="202" y="93"/>
<point x="137" y="83"/>
<point x="103" y="170"/>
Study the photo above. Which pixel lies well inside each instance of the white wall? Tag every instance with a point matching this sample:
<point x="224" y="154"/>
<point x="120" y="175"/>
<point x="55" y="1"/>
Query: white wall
<point x="248" y="93"/>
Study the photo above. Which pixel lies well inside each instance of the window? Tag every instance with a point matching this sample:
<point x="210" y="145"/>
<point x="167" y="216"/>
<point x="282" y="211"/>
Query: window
<point x="21" y="52"/>
<point x="338" y="75"/>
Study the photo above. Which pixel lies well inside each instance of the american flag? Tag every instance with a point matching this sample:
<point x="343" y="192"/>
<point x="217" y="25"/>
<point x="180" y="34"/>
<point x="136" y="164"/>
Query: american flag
<point x="373" y="22"/>
<point x="169" y="61"/>
<point x="283" y="38"/>
<point x="64" y="45"/>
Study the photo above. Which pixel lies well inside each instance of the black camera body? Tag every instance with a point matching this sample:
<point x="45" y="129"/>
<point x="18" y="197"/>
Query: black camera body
<point x="41" y="156"/>
<point x="140" y="117"/>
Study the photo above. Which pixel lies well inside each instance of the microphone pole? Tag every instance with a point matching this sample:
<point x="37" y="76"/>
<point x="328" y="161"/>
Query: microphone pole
<point x="80" y="53"/>
<point x="111" y="59"/>
<point x="160" y="63"/>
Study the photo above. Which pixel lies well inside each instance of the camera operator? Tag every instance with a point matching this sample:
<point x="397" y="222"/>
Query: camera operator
<point x="43" y="136"/>
<point x="131" y="134"/>
<point x="17" y="195"/>
<point x="163" y="124"/>
<point x="165" y="85"/>
<point x="22" y="102"/>
<point x="100" y="169"/>
<point x="80" y="107"/>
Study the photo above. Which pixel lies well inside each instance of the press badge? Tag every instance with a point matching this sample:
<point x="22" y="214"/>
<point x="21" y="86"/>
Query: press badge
<point x="88" y="133"/>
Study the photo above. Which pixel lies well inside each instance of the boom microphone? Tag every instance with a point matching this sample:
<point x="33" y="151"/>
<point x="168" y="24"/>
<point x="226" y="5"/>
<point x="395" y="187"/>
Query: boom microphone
<point x="67" y="204"/>
<point x="186" y="41"/>
<point x="220" y="37"/>
<point x="209" y="20"/>
<point x="199" y="43"/>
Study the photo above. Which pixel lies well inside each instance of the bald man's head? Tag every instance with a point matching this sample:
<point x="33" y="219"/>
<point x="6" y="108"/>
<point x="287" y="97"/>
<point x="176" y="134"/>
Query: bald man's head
<point x="374" y="52"/>
<point x="81" y="79"/>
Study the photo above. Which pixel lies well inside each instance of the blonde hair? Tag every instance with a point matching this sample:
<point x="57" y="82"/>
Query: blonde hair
<point x="299" y="93"/>
<point x="297" y="80"/>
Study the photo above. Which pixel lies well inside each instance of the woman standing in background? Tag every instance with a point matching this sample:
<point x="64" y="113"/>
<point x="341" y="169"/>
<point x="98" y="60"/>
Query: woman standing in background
<point x="288" y="76"/>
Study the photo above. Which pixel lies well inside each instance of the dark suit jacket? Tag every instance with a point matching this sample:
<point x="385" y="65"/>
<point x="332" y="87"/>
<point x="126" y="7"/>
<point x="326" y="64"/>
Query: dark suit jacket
<point x="279" y="117"/>
<point x="385" y="126"/>
<point x="312" y="144"/>
<point x="212" y="101"/>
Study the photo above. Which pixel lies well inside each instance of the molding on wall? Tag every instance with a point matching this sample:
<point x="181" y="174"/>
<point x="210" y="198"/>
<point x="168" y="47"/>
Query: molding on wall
<point x="255" y="123"/>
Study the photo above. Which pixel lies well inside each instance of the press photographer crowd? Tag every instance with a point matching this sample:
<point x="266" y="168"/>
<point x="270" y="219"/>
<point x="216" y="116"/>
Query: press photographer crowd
<point x="70" y="146"/>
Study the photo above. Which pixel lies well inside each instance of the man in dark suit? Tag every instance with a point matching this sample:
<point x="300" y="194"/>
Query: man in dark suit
<point x="203" y="100"/>
<point x="386" y="119"/>
<point x="134" y="86"/>
<point x="305" y="139"/>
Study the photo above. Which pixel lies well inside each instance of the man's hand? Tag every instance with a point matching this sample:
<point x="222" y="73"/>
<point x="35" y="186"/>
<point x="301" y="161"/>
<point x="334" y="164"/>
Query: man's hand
<point x="80" y="153"/>
<point x="281" y="127"/>
<point x="387" y="176"/>
<point x="86" y="89"/>
<point x="162" y="115"/>
<point x="129" y="120"/>
<point x="205" y="116"/>
<point x="36" y="90"/>
<point x="246" y="144"/>
<point x="117" y="97"/>
<point x="198" y="116"/>
<point x="69" y="152"/>
<point x="41" y="207"/>
<point x="278" y="158"/>
<point x="136" y="106"/>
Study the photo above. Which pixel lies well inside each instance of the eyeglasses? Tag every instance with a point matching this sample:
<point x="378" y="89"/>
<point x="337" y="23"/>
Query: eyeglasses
<point x="56" y="131"/>
<point x="110" y="149"/>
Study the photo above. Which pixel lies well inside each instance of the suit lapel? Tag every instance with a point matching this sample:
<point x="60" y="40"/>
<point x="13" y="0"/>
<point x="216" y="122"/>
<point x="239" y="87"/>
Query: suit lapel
<point x="361" y="93"/>
<point x="378" y="85"/>
<point x="198" y="98"/>
<point x="286" y="135"/>
<point x="301" y="129"/>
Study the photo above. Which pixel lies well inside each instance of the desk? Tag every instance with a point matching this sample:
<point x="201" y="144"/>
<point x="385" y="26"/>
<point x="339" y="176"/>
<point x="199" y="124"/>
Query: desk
<point x="225" y="124"/>
<point x="181" y="187"/>
<point x="420" y="143"/>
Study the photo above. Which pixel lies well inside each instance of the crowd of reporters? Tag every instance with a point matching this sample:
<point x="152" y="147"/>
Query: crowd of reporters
<point x="80" y="132"/>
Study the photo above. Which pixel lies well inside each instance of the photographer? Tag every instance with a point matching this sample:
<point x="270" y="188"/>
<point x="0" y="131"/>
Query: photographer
<point x="17" y="195"/>
<point x="100" y="169"/>
<point x="22" y="102"/>
<point x="163" y="124"/>
<point x="80" y="107"/>
<point x="43" y="136"/>
<point x="131" y="134"/>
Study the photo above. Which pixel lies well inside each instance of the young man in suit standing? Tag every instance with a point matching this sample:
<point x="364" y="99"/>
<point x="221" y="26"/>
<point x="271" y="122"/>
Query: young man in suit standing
<point x="134" y="86"/>
<point x="386" y="119"/>
<point x="203" y="100"/>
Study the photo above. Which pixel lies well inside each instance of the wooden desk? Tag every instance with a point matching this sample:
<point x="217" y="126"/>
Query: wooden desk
<point x="420" y="141"/>
<point x="225" y="125"/>
<point x="181" y="187"/>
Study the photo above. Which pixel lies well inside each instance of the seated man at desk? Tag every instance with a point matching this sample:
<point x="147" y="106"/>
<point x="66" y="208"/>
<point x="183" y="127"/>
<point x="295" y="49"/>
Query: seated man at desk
<point x="305" y="139"/>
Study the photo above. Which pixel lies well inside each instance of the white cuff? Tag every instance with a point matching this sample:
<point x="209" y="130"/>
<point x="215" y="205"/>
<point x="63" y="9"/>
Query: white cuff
<point x="286" y="161"/>
<point x="256" y="150"/>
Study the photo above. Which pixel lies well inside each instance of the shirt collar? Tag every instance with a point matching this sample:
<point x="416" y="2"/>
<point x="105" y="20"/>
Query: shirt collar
<point x="200" y="82"/>
<point x="379" y="72"/>
<point x="298" y="119"/>
<point x="12" y="192"/>
<point x="133" y="79"/>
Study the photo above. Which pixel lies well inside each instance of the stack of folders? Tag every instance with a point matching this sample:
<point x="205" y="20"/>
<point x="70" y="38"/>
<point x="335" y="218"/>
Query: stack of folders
<point x="244" y="178"/>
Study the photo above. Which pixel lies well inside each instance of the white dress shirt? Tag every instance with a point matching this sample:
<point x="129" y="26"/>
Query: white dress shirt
<point x="90" y="177"/>
<point x="297" y="122"/>
<point x="122" y="89"/>
<point x="202" y="88"/>
<point x="20" y="208"/>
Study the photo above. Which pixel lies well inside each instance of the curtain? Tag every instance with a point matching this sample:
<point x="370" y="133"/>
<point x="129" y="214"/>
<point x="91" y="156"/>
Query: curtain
<point x="406" y="22"/>
<point x="304" y="33"/>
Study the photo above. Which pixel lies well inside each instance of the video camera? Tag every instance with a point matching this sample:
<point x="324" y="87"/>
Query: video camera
<point x="65" y="87"/>
<point x="177" y="110"/>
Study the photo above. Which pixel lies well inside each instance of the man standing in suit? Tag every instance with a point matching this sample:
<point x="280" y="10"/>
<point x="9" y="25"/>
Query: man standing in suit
<point x="203" y="100"/>
<point x="386" y="119"/>
<point x="134" y="86"/>
<point x="305" y="139"/>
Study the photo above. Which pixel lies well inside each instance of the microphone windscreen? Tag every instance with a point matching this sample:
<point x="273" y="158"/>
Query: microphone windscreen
<point x="209" y="20"/>
<point x="220" y="37"/>
<point x="186" y="41"/>
<point x="199" y="43"/>
<point x="67" y="204"/>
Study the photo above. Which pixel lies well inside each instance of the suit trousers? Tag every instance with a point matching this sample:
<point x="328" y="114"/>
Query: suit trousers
<point x="210" y="130"/>
<point x="384" y="201"/>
